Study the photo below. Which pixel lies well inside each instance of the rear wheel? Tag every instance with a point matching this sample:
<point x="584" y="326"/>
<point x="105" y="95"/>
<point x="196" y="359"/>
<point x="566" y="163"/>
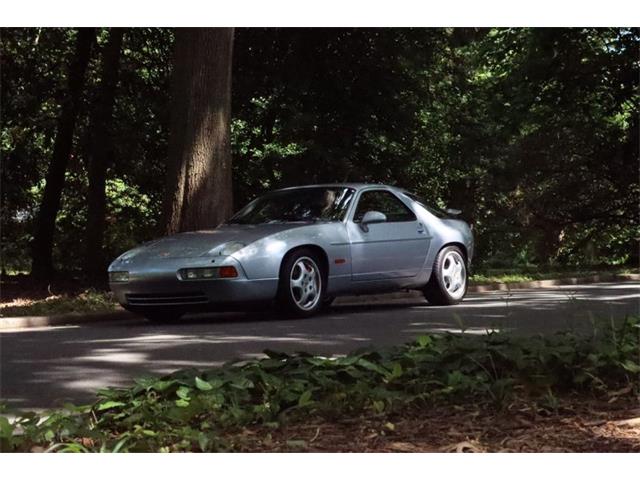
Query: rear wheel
<point x="448" y="282"/>
<point x="301" y="288"/>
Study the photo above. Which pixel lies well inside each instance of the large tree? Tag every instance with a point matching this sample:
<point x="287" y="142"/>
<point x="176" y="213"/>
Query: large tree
<point x="198" y="191"/>
<point x="100" y="150"/>
<point x="45" y="226"/>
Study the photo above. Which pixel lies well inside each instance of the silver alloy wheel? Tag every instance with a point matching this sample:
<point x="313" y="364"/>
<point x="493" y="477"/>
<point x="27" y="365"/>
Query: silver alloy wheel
<point x="454" y="274"/>
<point x="305" y="283"/>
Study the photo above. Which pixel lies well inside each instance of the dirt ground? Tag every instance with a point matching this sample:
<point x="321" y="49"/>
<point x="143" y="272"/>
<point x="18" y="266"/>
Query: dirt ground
<point x="577" y="425"/>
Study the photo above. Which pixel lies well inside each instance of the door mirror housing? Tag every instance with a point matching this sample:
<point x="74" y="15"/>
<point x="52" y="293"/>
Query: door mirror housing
<point x="372" y="217"/>
<point x="454" y="212"/>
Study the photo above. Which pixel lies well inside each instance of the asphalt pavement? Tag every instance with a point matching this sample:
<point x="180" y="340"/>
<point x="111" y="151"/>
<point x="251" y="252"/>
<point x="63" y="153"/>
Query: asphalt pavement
<point x="45" y="367"/>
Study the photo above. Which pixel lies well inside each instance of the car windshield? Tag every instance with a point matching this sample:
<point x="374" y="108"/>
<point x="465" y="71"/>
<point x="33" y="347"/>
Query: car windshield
<point x="297" y="205"/>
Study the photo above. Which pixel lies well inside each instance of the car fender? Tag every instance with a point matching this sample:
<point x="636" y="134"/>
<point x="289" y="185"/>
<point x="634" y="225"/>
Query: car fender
<point x="262" y="259"/>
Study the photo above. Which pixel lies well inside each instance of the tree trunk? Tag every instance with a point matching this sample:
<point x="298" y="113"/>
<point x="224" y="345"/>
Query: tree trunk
<point x="100" y="152"/>
<point x="42" y="264"/>
<point x="199" y="194"/>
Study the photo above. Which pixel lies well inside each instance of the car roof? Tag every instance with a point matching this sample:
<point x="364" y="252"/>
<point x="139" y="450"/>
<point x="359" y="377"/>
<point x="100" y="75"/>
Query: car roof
<point x="356" y="186"/>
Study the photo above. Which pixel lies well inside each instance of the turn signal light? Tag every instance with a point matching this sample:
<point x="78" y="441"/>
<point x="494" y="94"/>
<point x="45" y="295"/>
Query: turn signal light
<point x="228" y="272"/>
<point x="207" y="273"/>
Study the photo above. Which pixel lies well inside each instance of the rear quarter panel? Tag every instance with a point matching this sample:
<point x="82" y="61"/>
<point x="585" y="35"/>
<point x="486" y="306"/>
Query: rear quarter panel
<point x="443" y="232"/>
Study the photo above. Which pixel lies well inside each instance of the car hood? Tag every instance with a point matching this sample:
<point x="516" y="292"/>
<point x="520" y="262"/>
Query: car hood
<point x="200" y="243"/>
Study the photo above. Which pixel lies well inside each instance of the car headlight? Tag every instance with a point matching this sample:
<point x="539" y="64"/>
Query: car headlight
<point x="118" y="276"/>
<point x="231" y="248"/>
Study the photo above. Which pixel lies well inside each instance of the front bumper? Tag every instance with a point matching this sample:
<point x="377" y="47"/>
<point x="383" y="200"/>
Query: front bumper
<point x="156" y="284"/>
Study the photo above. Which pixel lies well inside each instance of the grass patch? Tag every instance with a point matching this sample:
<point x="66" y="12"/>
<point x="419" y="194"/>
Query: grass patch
<point x="515" y="275"/>
<point x="203" y="410"/>
<point x="89" y="301"/>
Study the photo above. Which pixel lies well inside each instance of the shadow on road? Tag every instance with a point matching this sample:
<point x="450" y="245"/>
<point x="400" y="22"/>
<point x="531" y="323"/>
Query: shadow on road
<point x="47" y="366"/>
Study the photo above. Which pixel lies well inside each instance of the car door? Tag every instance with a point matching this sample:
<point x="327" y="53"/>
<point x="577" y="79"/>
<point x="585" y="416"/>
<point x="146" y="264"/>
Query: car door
<point x="392" y="249"/>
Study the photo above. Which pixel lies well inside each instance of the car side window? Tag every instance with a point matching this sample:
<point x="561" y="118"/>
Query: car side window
<point x="384" y="202"/>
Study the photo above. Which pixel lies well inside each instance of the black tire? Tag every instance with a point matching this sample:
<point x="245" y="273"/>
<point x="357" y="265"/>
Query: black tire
<point x="435" y="291"/>
<point x="291" y="297"/>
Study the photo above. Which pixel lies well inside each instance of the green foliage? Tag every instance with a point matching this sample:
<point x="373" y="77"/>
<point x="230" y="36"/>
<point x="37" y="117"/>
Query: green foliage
<point x="191" y="410"/>
<point x="33" y="77"/>
<point x="533" y="133"/>
<point x="559" y="110"/>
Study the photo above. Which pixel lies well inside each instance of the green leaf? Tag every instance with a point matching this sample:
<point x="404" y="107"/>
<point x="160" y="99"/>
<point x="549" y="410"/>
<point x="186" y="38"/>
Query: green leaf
<point x="109" y="404"/>
<point x="296" y="444"/>
<point x="119" y="445"/>
<point x="162" y="385"/>
<point x="202" y="385"/>
<point x="305" y="398"/>
<point x="242" y="383"/>
<point x="378" y="406"/>
<point x="631" y="366"/>
<point x="182" y="403"/>
<point x="183" y="393"/>
<point x="6" y="429"/>
<point x="396" y="372"/>
<point x="353" y="372"/>
<point x="203" y="441"/>
<point x="276" y="355"/>
<point x="372" y="366"/>
<point x="345" y="361"/>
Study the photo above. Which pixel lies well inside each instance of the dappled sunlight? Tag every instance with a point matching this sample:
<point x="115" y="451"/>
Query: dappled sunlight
<point x="611" y="298"/>
<point x="38" y="329"/>
<point x="113" y="355"/>
<point x="470" y="331"/>
<point x="89" y="384"/>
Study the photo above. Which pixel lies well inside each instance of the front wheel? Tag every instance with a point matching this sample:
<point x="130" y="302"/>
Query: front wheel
<point x="448" y="282"/>
<point x="301" y="287"/>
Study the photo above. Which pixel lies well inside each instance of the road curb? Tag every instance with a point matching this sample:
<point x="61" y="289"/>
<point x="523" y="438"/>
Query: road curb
<point x="7" y="323"/>
<point x="490" y="287"/>
<point x="602" y="277"/>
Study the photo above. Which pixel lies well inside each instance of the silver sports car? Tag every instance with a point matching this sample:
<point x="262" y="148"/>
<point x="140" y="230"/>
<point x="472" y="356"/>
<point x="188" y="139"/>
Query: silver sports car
<point x="301" y="247"/>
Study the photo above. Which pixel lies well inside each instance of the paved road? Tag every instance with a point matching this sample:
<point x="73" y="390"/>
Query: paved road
<point x="43" y="367"/>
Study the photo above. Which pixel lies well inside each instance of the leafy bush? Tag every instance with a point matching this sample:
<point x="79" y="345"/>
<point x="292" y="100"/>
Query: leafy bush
<point x="191" y="410"/>
<point x="89" y="301"/>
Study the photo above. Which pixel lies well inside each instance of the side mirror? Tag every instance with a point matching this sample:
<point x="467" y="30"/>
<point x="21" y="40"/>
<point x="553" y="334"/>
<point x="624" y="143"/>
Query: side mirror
<point x="454" y="212"/>
<point x="372" y="217"/>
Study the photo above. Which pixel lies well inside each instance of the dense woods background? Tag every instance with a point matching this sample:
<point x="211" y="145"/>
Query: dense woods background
<point x="533" y="133"/>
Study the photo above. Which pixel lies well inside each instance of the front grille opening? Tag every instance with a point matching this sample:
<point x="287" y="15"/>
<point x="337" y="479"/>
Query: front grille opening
<point x="174" y="298"/>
